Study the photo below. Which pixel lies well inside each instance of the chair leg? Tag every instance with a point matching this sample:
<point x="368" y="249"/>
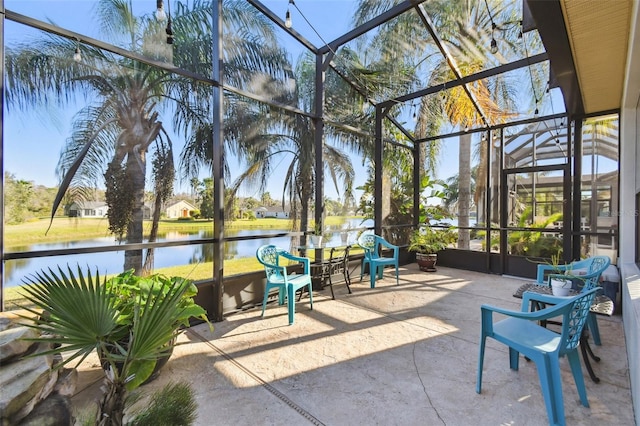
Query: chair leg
<point x="264" y="299"/>
<point x="347" y="278"/>
<point x="291" y="303"/>
<point x="574" y="363"/>
<point x="310" y="289"/>
<point x="514" y="359"/>
<point x="483" y="340"/>
<point x="372" y="275"/>
<point x="397" y="279"/>
<point x="592" y="323"/>
<point x="333" y="296"/>
<point x="551" y="385"/>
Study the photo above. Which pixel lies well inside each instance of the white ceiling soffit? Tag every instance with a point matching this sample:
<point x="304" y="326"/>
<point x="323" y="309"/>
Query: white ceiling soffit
<point x="598" y="32"/>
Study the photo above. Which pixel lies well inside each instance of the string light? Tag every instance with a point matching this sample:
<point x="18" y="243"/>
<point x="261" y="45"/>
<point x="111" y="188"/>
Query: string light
<point x="520" y="30"/>
<point x="160" y="14"/>
<point x="77" y="56"/>
<point x="169" y="29"/>
<point x="494" y="44"/>
<point x="287" y="16"/>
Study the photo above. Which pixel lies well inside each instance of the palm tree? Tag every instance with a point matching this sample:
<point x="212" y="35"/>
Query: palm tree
<point x="122" y="125"/>
<point x="459" y="25"/>
<point x="261" y="136"/>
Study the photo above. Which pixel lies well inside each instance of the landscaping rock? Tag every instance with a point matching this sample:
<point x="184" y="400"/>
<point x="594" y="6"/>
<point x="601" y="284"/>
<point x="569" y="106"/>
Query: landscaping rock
<point x="33" y="392"/>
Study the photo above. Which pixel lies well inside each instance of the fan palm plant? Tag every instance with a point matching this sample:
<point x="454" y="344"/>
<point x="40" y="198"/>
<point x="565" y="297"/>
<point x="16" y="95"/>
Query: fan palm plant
<point x="79" y="313"/>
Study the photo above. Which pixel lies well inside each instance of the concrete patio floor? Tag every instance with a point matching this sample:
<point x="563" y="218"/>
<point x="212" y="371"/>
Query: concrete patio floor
<point x="393" y="355"/>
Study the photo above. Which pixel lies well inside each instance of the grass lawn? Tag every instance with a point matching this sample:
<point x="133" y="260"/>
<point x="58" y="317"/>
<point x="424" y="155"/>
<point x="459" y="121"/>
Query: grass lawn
<point x="74" y="229"/>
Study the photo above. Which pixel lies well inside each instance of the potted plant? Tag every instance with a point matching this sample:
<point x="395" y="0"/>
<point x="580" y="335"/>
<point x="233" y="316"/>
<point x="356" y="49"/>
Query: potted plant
<point x="426" y="242"/>
<point x="317" y="236"/>
<point x="561" y="278"/>
<point x="130" y="321"/>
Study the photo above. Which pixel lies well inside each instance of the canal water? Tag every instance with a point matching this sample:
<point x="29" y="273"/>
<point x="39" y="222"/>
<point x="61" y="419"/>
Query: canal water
<point x="15" y="271"/>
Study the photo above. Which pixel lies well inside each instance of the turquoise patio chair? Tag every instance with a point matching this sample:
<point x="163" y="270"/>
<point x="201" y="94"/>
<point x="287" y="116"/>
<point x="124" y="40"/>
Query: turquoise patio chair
<point x="271" y="257"/>
<point x="588" y="272"/>
<point x="522" y="334"/>
<point x="372" y="245"/>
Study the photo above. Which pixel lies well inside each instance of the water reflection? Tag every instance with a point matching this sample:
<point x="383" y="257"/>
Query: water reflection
<point x="112" y="262"/>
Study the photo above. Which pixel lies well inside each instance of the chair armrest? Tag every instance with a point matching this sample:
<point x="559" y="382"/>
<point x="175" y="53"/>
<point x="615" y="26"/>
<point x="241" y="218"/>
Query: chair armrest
<point x="531" y="296"/>
<point x="387" y="244"/>
<point x="303" y="260"/>
<point x="542" y="268"/>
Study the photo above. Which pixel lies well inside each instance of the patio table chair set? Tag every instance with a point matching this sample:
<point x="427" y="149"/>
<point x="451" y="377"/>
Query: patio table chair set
<point x="525" y="332"/>
<point x="275" y="261"/>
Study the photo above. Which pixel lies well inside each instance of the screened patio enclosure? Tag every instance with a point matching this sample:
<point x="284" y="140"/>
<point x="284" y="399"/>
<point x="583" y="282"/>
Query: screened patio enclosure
<point x="469" y="97"/>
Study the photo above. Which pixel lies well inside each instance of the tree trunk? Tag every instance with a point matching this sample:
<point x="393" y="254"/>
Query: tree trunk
<point x="464" y="190"/>
<point x="111" y="405"/>
<point x="136" y="171"/>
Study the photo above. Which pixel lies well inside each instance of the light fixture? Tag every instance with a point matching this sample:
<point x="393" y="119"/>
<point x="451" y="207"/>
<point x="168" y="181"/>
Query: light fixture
<point x="494" y="46"/>
<point x="169" y="29"/>
<point x="287" y="16"/>
<point x="160" y="14"/>
<point x="520" y="30"/>
<point x="77" y="56"/>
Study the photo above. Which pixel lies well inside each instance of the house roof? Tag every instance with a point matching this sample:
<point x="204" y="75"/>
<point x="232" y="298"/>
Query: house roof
<point x="181" y="201"/>
<point x="90" y="204"/>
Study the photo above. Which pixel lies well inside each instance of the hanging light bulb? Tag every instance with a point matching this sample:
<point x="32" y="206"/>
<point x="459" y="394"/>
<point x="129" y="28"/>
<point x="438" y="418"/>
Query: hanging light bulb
<point x="169" y="31"/>
<point x="536" y="112"/>
<point x="77" y="56"/>
<point x="160" y="14"/>
<point x="520" y="30"/>
<point x="494" y="46"/>
<point x="287" y="16"/>
<point x="287" y="19"/>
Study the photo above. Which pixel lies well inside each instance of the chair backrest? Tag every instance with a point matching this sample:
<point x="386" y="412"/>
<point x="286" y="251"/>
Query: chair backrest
<point x="369" y="242"/>
<point x="268" y="256"/>
<point x="338" y="259"/>
<point x="574" y="320"/>
<point x="595" y="266"/>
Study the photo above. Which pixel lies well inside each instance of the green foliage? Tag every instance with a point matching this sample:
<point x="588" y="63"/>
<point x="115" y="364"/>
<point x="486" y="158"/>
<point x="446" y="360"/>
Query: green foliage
<point x="173" y="405"/>
<point x="17" y="196"/>
<point x="428" y="240"/>
<point x="119" y="197"/>
<point x="131" y="290"/>
<point x="535" y="243"/>
<point x="130" y="321"/>
<point x="206" y="196"/>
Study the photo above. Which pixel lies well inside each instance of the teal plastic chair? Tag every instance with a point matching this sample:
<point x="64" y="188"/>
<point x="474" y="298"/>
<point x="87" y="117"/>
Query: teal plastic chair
<point x="587" y="272"/>
<point x="372" y="245"/>
<point x="522" y="333"/>
<point x="272" y="258"/>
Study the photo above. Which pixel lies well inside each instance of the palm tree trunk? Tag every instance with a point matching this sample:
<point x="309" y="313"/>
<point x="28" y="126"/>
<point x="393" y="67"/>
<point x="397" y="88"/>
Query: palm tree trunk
<point x="464" y="190"/>
<point x="136" y="169"/>
<point x="111" y="405"/>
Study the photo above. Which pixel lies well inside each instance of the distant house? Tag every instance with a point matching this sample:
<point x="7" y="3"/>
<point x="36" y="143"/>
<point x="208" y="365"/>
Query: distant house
<point x="88" y="209"/>
<point x="277" y="212"/>
<point x="178" y="209"/>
